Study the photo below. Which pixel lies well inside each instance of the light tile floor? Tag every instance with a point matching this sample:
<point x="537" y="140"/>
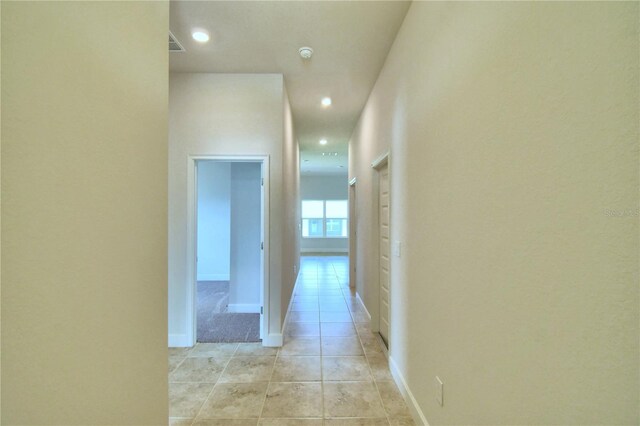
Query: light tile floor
<point x="330" y="371"/>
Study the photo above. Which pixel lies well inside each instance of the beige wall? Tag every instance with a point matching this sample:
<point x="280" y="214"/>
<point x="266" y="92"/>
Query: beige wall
<point x="84" y="240"/>
<point x="513" y="130"/>
<point x="291" y="190"/>
<point x="227" y="114"/>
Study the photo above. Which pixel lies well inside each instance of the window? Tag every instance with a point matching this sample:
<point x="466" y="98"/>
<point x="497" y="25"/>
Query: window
<point x="336" y="214"/>
<point x="312" y="219"/>
<point x="325" y="219"/>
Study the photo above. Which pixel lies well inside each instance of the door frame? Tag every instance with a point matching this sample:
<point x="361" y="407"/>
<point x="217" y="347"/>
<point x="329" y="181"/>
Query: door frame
<point x="192" y="221"/>
<point x="353" y="232"/>
<point x="377" y="165"/>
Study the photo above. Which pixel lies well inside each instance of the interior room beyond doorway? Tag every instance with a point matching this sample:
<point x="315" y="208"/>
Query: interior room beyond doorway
<point x="229" y="254"/>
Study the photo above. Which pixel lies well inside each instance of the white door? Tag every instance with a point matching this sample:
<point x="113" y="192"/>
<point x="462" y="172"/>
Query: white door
<point x="383" y="274"/>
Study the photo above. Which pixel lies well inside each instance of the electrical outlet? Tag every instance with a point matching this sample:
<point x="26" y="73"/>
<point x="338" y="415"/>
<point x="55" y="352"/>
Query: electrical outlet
<point x="439" y="391"/>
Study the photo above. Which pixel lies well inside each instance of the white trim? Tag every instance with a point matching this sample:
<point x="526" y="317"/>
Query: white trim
<point x="179" y="341"/>
<point x="244" y="307"/>
<point x="366" y="311"/>
<point x="273" y="340"/>
<point x="324" y="250"/>
<point x="383" y="346"/>
<point x="191" y="266"/>
<point x="353" y="232"/>
<point x="385" y="351"/>
<point x="380" y="161"/>
<point x="192" y="220"/>
<point x="265" y="292"/>
<point x="417" y="414"/>
<point x="286" y="317"/>
<point x="213" y="277"/>
<point x="378" y="165"/>
<point x="293" y="294"/>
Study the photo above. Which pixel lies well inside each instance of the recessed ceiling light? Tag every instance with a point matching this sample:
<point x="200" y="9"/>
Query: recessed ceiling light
<point x="326" y="102"/>
<point x="200" y="36"/>
<point x="323" y="141"/>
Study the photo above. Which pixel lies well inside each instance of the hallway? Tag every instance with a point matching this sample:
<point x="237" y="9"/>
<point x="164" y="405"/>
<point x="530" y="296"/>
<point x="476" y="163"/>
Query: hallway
<point x="331" y="369"/>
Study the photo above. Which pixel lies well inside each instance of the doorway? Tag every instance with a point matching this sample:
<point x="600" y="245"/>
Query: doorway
<point x="228" y="265"/>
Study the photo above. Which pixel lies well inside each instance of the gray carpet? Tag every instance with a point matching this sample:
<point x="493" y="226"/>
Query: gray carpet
<point x="213" y="297"/>
<point x="215" y="324"/>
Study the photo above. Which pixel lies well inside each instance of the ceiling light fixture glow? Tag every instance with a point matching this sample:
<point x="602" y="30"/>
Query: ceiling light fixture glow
<point x="326" y="102"/>
<point x="200" y="36"/>
<point x="323" y="141"/>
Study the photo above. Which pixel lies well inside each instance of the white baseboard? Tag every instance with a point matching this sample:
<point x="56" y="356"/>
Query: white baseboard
<point x="374" y="327"/>
<point x="366" y="311"/>
<point x="273" y="340"/>
<point x="179" y="341"/>
<point x="286" y="316"/>
<point x="418" y="416"/>
<point x="383" y="346"/>
<point x="213" y="277"/>
<point x="325" y="250"/>
<point x="293" y="294"/>
<point x="244" y="308"/>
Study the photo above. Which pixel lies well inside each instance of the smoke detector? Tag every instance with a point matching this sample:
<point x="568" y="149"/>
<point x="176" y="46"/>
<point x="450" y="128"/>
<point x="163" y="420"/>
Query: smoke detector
<point x="305" y="52"/>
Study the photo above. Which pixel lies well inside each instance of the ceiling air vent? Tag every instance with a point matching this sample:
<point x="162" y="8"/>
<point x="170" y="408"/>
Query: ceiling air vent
<point x="174" y="44"/>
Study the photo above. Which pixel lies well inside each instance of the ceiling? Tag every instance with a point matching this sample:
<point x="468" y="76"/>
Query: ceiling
<point x="350" y="40"/>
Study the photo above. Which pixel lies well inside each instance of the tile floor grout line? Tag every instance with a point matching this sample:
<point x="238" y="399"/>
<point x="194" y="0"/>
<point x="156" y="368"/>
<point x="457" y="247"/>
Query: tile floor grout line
<point x="266" y="392"/>
<point x="322" y="403"/>
<point x="216" y="383"/>
<point x="176" y="367"/>
<point x="373" y="380"/>
<point x="375" y="383"/>
<point x="260" y="417"/>
<point x="360" y="333"/>
<point x="381" y="401"/>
